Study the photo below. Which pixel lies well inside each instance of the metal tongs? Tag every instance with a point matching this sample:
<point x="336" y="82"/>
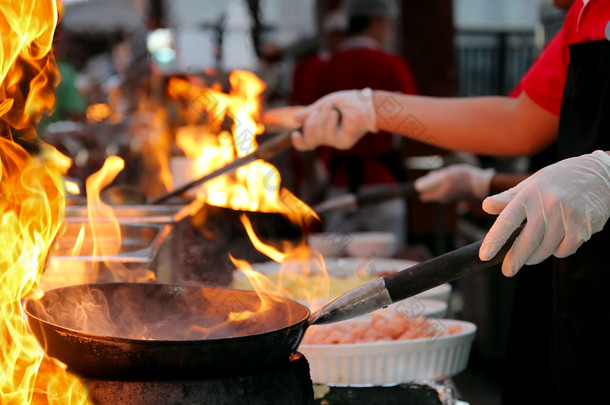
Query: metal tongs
<point x="120" y="195"/>
<point x="353" y="201"/>
<point x="265" y="151"/>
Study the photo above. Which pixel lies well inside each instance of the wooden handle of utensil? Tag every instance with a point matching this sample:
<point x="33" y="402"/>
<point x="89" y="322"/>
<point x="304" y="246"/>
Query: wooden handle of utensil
<point x="442" y="269"/>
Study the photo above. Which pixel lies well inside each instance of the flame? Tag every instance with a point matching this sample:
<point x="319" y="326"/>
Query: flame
<point x="80" y="239"/>
<point x="32" y="201"/>
<point x="99" y="237"/>
<point x="98" y="112"/>
<point x="63" y="162"/>
<point x="254" y="187"/>
<point x="72" y="187"/>
<point x="26" y="32"/>
<point x="302" y="274"/>
<point x="92" y="251"/>
<point x="31" y="213"/>
<point x="268" y="293"/>
<point x="105" y="227"/>
<point x="99" y="212"/>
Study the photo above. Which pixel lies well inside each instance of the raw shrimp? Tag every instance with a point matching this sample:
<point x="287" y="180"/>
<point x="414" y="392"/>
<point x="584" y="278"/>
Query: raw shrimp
<point x="382" y="325"/>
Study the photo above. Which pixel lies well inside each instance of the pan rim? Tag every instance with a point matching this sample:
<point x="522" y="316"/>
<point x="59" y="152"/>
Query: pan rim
<point x="160" y="342"/>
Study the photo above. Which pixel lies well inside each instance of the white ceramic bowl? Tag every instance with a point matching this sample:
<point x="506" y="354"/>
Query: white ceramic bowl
<point x="349" y="266"/>
<point x="371" y="244"/>
<point x="391" y="363"/>
<point x="353" y="266"/>
<point x="328" y="244"/>
<point x="411" y="307"/>
<point x="416" y="306"/>
<point x="343" y="266"/>
<point x="441" y="293"/>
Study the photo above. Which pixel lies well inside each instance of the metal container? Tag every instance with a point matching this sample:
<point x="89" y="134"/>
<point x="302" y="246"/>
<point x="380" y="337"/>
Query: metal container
<point x="142" y="214"/>
<point x="79" y="258"/>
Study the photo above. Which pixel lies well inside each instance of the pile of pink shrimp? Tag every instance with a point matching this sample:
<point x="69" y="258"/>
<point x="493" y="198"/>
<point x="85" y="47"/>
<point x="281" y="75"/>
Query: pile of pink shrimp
<point x="382" y="326"/>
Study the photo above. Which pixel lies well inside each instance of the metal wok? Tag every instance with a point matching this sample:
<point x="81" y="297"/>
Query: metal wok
<point x="137" y="330"/>
<point x="151" y="332"/>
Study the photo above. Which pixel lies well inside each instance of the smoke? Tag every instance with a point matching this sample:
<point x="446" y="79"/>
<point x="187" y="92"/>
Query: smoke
<point x="161" y="312"/>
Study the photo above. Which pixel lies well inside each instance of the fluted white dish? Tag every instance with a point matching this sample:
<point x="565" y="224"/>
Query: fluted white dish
<point x="388" y="363"/>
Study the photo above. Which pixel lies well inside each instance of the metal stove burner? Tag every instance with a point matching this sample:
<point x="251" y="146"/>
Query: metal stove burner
<point x="289" y="384"/>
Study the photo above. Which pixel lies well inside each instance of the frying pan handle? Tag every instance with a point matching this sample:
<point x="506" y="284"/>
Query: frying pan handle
<point x="443" y="269"/>
<point x="384" y="291"/>
<point x="401" y="190"/>
<point x="275" y="146"/>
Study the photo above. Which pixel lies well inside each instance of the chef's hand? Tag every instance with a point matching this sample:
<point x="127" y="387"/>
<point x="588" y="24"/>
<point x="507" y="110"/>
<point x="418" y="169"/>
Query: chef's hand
<point x="454" y="182"/>
<point x="564" y="204"/>
<point x="339" y="120"/>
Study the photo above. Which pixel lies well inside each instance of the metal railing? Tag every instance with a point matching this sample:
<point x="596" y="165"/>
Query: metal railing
<point x="492" y="63"/>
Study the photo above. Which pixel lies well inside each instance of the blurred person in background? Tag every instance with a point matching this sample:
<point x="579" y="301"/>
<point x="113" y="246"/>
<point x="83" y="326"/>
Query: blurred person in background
<point x="309" y="175"/>
<point x="565" y="98"/>
<point x="69" y="102"/>
<point x="306" y="70"/>
<point x="374" y="161"/>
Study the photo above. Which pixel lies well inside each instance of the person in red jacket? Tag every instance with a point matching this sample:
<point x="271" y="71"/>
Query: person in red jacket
<point x="374" y="161"/>
<point x="306" y="70"/>
<point x="308" y="178"/>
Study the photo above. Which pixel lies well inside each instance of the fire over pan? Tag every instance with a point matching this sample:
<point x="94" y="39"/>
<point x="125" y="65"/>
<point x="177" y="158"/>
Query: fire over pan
<point x="136" y="330"/>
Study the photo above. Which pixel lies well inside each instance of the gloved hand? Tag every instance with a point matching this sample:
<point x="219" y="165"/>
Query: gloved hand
<point x="564" y="204"/>
<point x="321" y="125"/>
<point x="455" y="182"/>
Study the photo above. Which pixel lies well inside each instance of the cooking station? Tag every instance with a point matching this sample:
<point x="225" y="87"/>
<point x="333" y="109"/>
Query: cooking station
<point x="287" y="385"/>
<point x="124" y="376"/>
<point x="130" y="233"/>
<point x="159" y="352"/>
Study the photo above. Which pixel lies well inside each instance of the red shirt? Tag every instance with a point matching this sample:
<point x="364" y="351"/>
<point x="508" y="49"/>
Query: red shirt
<point x="356" y="65"/>
<point x="304" y="78"/>
<point x="544" y="82"/>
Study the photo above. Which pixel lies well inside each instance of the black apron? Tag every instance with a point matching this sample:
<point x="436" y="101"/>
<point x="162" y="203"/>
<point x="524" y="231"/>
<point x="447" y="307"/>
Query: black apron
<point x="580" y="363"/>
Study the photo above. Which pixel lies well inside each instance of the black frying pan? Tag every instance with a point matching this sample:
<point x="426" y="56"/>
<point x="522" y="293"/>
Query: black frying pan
<point x="169" y="346"/>
<point x="152" y="324"/>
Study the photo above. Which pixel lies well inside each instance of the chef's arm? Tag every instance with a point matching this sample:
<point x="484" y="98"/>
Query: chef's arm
<point x="499" y="126"/>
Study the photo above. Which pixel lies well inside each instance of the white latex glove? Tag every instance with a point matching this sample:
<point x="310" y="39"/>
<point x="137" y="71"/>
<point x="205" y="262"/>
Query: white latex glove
<point x="321" y="124"/>
<point x="564" y="204"/>
<point x="455" y="182"/>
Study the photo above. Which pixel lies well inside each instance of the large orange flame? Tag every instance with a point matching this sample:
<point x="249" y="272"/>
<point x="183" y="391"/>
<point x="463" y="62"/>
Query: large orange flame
<point x="105" y="227"/>
<point x="31" y="212"/>
<point x="32" y="202"/>
<point x="255" y="187"/>
<point x="302" y="274"/>
<point x="26" y="32"/>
